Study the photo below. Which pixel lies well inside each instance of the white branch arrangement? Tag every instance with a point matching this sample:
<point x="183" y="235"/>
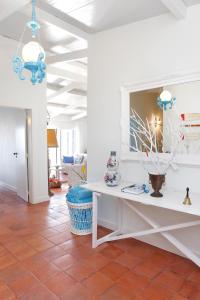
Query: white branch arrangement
<point x="144" y="136"/>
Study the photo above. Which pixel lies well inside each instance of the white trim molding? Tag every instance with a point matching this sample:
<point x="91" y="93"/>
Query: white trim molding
<point x="151" y="83"/>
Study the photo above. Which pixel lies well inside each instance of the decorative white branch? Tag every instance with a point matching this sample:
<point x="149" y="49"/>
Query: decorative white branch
<point x="145" y="138"/>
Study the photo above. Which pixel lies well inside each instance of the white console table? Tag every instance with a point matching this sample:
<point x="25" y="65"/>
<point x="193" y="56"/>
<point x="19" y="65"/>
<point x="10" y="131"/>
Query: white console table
<point x="171" y="200"/>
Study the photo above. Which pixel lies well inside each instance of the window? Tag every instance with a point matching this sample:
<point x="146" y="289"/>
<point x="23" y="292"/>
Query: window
<point x="68" y="145"/>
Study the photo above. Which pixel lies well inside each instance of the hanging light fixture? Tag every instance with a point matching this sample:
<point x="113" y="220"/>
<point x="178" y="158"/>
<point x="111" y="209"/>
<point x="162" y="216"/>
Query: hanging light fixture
<point x="165" y="100"/>
<point x="32" y="56"/>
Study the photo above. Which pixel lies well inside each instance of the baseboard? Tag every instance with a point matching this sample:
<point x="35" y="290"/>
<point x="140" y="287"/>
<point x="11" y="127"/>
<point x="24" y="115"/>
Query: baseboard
<point x="34" y="201"/>
<point x="107" y="224"/>
<point x="8" y="186"/>
<point x="39" y="199"/>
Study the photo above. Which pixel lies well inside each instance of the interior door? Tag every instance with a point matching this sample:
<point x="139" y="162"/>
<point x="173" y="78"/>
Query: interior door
<point x="21" y="156"/>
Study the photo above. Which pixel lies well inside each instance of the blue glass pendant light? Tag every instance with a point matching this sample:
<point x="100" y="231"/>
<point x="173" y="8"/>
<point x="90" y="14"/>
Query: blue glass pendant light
<point x="32" y="54"/>
<point x="165" y="100"/>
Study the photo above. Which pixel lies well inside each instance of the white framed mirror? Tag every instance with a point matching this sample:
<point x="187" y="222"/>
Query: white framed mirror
<point x="142" y="98"/>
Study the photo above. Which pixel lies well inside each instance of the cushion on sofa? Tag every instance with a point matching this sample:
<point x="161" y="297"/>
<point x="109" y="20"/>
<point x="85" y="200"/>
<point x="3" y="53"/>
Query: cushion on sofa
<point x="68" y="159"/>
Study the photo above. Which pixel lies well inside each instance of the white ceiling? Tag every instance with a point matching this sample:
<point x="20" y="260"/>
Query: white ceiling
<point x="66" y="25"/>
<point x="50" y="34"/>
<point x="105" y="14"/>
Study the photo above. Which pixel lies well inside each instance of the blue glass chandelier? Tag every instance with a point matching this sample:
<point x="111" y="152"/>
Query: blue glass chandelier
<point x="165" y="100"/>
<point x="32" y="56"/>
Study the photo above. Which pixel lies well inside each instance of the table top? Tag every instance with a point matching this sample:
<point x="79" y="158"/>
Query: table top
<point x="171" y="199"/>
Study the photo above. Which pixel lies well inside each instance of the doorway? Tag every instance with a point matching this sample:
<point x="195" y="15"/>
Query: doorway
<point x="14" y="151"/>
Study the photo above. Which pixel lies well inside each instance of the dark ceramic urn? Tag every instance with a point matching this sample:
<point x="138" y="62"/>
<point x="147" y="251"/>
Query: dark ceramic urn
<point x="157" y="181"/>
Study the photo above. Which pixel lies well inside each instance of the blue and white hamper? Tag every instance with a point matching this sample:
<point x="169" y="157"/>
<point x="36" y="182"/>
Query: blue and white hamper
<point x="79" y="201"/>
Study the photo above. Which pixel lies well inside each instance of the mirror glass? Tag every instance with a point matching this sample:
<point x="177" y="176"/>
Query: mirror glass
<point x="174" y="127"/>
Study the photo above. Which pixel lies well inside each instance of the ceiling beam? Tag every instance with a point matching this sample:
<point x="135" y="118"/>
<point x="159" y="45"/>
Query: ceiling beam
<point x="71" y="100"/>
<point x="56" y="105"/>
<point x="79" y="116"/>
<point x="64" y="111"/>
<point x="68" y="88"/>
<point x="79" y="92"/>
<point x="80" y="65"/>
<point x="65" y="89"/>
<point x="176" y="7"/>
<point x="66" y="74"/>
<point x="76" y="105"/>
<point x="64" y="42"/>
<point x="9" y="7"/>
<point x="54" y="16"/>
<point x="70" y="56"/>
<point x="52" y="87"/>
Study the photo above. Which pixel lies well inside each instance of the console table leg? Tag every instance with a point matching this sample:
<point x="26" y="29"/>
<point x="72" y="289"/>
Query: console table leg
<point x="180" y="246"/>
<point x="94" y="220"/>
<point x="120" y="215"/>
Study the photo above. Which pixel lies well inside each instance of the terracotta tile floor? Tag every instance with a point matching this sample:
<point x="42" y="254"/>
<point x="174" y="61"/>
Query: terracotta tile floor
<point x="41" y="260"/>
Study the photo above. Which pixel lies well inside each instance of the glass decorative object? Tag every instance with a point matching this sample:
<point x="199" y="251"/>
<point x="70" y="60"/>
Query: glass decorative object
<point x="31" y="56"/>
<point x="112" y="176"/>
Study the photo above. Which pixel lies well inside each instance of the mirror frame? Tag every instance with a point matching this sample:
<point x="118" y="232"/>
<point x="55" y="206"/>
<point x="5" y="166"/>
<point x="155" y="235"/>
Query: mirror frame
<point x="126" y="89"/>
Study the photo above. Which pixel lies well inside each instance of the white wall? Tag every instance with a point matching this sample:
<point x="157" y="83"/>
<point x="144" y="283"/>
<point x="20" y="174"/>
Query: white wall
<point x="8" y="147"/>
<point x="21" y="94"/>
<point x="82" y="124"/>
<point x="129" y="54"/>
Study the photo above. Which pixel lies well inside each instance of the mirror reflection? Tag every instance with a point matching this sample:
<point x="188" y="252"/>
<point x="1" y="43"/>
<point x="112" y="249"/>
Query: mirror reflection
<point x="166" y="119"/>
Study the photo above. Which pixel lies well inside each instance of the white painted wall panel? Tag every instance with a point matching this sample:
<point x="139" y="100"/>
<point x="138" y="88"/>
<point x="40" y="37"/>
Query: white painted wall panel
<point x="8" y="147"/>
<point x="127" y="54"/>
<point x="21" y="94"/>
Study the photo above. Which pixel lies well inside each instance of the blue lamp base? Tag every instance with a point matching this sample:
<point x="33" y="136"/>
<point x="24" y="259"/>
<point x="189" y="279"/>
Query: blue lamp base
<point x="166" y="104"/>
<point x="36" y="68"/>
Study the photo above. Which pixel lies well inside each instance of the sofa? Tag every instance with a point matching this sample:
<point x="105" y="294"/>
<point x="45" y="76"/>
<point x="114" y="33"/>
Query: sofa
<point x="75" y="168"/>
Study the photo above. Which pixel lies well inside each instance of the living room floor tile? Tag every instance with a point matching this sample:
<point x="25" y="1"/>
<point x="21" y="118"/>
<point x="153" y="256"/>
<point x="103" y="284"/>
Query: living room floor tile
<point x="40" y="259"/>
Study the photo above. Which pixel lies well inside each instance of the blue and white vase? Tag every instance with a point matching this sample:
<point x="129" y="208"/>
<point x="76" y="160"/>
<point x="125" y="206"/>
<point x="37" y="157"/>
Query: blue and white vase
<point x="112" y="176"/>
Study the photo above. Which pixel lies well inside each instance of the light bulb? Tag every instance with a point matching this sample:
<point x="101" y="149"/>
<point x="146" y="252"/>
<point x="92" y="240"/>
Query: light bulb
<point x="31" y="51"/>
<point x="165" y="96"/>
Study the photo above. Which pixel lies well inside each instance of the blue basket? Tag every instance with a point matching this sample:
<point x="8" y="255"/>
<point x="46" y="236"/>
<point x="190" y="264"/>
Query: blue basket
<point x="79" y="202"/>
<point x="81" y="217"/>
<point x="79" y="194"/>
